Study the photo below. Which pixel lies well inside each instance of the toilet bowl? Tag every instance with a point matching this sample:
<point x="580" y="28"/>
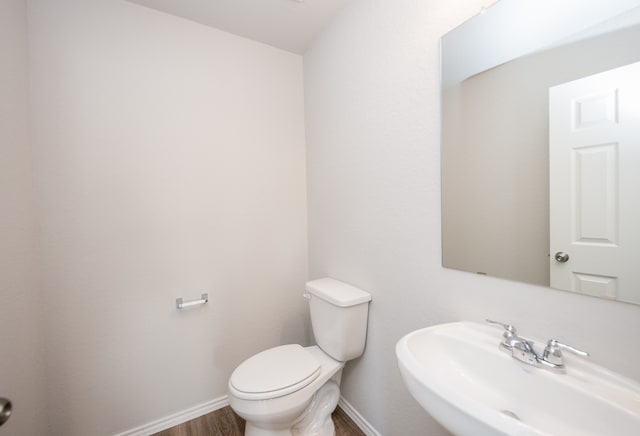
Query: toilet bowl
<point x="292" y="390"/>
<point x="276" y="411"/>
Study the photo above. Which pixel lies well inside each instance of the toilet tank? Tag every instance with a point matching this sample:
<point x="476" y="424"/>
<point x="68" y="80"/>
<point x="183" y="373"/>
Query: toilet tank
<point x="339" y="315"/>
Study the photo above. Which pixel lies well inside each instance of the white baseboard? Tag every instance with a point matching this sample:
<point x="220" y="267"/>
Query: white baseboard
<point x="357" y="418"/>
<point x="178" y="418"/>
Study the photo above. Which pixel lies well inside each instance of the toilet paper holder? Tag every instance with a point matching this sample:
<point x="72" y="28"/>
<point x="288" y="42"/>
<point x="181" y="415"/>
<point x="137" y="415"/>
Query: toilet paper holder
<point x="182" y="304"/>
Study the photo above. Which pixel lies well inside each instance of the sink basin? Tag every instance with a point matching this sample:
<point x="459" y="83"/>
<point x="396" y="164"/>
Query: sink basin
<point x="459" y="375"/>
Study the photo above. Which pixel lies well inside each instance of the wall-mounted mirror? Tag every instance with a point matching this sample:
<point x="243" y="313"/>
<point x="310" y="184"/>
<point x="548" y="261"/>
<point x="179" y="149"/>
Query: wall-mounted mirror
<point x="541" y="145"/>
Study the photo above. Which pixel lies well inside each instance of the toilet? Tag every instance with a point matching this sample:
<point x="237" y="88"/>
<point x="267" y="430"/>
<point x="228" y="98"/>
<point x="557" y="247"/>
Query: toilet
<point x="292" y="390"/>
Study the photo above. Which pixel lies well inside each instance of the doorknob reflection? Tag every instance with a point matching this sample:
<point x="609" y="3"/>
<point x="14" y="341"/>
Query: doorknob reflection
<point x="5" y="410"/>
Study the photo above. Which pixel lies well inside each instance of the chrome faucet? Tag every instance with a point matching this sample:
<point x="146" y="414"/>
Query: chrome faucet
<point x="522" y="349"/>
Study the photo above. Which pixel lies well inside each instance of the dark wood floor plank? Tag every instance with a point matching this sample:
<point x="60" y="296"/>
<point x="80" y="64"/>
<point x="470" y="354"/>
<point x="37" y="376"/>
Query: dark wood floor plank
<point x="225" y="422"/>
<point x="344" y="425"/>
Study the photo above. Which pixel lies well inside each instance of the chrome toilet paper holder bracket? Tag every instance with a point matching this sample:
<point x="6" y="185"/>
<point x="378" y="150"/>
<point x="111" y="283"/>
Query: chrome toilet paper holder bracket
<point x="182" y="304"/>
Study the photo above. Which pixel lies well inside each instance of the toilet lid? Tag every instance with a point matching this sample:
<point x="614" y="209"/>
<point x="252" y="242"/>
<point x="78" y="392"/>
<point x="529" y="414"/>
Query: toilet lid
<point x="275" y="372"/>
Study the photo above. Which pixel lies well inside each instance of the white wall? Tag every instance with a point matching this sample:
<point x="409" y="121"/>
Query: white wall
<point x="21" y="357"/>
<point x="170" y="162"/>
<point x="373" y="161"/>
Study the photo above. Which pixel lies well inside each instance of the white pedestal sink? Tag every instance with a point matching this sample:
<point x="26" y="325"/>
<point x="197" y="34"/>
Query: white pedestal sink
<point x="458" y="374"/>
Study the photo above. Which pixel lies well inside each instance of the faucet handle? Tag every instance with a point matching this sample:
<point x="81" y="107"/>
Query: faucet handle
<point x="510" y="336"/>
<point x="553" y="352"/>
<point x="508" y="327"/>
<point x="554" y="345"/>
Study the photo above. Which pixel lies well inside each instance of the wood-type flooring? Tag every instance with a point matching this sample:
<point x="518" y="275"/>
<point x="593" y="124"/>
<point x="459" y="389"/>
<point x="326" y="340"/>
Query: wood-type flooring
<point x="225" y="422"/>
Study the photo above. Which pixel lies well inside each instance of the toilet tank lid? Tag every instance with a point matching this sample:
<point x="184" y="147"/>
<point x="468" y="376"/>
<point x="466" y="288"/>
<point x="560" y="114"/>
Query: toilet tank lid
<point x="336" y="292"/>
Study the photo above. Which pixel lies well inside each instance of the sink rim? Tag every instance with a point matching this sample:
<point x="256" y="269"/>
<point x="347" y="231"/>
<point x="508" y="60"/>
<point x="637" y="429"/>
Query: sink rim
<point x="608" y="382"/>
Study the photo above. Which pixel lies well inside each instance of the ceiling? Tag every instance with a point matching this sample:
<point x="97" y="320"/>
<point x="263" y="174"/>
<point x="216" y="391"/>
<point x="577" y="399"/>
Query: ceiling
<point x="287" y="24"/>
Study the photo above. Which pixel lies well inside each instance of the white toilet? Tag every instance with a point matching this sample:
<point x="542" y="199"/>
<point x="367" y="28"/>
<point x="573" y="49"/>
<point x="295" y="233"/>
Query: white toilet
<point x="291" y="390"/>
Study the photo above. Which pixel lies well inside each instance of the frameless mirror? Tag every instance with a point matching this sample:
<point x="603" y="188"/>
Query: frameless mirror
<point x="541" y="145"/>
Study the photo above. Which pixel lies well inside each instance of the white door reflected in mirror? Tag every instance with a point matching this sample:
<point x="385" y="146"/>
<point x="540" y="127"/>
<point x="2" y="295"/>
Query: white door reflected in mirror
<point x="594" y="157"/>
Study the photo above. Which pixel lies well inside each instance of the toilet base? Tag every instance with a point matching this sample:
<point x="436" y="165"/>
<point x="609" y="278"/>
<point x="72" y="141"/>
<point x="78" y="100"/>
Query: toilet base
<point x="315" y="421"/>
<point x="251" y="430"/>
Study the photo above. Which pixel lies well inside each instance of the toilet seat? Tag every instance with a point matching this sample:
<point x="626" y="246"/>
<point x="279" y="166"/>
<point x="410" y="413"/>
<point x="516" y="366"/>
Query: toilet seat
<point x="274" y="373"/>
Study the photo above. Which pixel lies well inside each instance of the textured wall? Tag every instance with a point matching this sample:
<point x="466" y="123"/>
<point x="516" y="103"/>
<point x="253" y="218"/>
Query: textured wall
<point x="21" y="357"/>
<point x="373" y="160"/>
<point x="170" y="162"/>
